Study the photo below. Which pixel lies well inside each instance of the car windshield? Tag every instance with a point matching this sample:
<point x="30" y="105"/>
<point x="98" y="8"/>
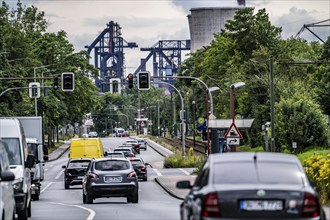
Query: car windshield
<point x="79" y="163"/>
<point x="13" y="150"/>
<point x="259" y="173"/>
<point x="111" y="165"/>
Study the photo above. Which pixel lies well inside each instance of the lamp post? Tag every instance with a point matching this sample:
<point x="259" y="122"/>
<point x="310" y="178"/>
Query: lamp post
<point x="232" y="106"/>
<point x="210" y="90"/>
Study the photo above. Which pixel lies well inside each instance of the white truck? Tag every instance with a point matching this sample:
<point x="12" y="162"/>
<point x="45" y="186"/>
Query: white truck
<point x="33" y="132"/>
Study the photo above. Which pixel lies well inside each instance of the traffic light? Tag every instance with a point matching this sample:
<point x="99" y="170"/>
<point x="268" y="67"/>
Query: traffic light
<point x="143" y="80"/>
<point x="67" y="81"/>
<point x="55" y="83"/>
<point x="34" y="90"/>
<point x="130" y="80"/>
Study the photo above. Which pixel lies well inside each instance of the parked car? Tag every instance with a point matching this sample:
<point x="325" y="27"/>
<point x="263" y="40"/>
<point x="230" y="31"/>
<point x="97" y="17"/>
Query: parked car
<point x="7" y="199"/>
<point x="74" y="172"/>
<point x="92" y="134"/>
<point x="140" y="167"/>
<point x="110" y="177"/>
<point x="142" y="142"/>
<point x="135" y="144"/>
<point x="128" y="152"/>
<point x="251" y="186"/>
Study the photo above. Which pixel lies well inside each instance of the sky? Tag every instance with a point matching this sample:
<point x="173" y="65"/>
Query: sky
<point x="148" y="21"/>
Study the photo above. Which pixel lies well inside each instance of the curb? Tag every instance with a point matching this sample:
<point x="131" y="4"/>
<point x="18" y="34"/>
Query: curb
<point x="60" y="154"/>
<point x="151" y="143"/>
<point x="167" y="190"/>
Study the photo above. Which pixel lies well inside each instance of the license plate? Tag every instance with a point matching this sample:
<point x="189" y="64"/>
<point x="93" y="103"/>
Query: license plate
<point x="80" y="177"/>
<point x="261" y="205"/>
<point x="113" y="179"/>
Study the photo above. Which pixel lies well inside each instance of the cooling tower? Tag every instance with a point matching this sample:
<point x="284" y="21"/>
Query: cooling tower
<point x="204" y="22"/>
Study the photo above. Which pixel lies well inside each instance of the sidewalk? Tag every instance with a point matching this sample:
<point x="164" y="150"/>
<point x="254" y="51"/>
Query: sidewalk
<point x="168" y="183"/>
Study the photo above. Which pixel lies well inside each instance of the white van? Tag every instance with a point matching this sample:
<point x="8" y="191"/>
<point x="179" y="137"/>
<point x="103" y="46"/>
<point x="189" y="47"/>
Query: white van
<point x="12" y="134"/>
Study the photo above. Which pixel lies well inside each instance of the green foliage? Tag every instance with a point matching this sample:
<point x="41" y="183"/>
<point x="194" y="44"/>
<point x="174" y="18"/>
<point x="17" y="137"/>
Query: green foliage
<point x="176" y="160"/>
<point x="318" y="170"/>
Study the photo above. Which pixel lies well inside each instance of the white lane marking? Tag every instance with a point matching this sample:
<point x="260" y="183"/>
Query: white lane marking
<point x="157" y="172"/>
<point x="91" y="212"/>
<point x="59" y="174"/>
<point x="48" y="185"/>
<point x="184" y="171"/>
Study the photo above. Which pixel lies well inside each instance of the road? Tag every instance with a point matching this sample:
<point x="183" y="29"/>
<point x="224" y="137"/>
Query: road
<point x="154" y="203"/>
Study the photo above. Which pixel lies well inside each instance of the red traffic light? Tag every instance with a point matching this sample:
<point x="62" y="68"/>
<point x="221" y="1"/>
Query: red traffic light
<point x="130" y="80"/>
<point x="130" y="76"/>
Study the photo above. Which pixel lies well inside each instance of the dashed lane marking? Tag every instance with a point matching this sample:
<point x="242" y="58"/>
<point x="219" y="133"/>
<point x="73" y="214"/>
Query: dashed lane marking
<point x="157" y="172"/>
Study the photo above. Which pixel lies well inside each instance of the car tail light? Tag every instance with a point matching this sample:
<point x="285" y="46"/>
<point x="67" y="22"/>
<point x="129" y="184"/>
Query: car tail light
<point x="310" y="206"/>
<point x="93" y="175"/>
<point x="211" y="206"/>
<point x="132" y="175"/>
<point x="142" y="167"/>
<point x="131" y="155"/>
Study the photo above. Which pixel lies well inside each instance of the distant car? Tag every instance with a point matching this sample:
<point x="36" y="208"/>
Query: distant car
<point x="7" y="199"/>
<point x="126" y="134"/>
<point x="128" y="152"/>
<point x="84" y="135"/>
<point x="92" y="134"/>
<point x="74" y="171"/>
<point x="117" y="154"/>
<point x="110" y="177"/>
<point x="140" y="167"/>
<point x="135" y="144"/>
<point x="251" y="186"/>
<point x="142" y="143"/>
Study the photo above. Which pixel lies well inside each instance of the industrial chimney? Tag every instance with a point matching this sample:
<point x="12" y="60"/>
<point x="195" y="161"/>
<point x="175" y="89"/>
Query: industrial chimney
<point x="241" y="2"/>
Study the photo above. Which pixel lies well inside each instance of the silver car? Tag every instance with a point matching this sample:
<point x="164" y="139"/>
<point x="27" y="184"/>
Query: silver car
<point x="110" y="177"/>
<point x="251" y="186"/>
<point x="7" y="200"/>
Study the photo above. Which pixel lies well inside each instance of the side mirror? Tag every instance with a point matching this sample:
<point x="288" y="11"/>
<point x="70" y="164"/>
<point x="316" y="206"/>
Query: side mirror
<point x="105" y="154"/>
<point x="63" y="166"/>
<point x="185" y="184"/>
<point x="148" y="164"/>
<point x="7" y="175"/>
<point x="30" y="161"/>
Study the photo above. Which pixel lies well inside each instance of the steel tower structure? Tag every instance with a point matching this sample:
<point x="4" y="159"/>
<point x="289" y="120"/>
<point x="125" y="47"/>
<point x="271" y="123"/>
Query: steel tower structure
<point x="109" y="55"/>
<point x="166" y="57"/>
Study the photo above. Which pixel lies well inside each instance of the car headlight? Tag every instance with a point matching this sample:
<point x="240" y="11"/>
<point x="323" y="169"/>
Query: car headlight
<point x="18" y="184"/>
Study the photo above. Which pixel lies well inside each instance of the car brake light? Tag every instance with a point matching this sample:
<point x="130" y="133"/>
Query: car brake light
<point x="310" y="206"/>
<point x="93" y="175"/>
<point x="142" y="167"/>
<point x="131" y="155"/>
<point x="211" y="206"/>
<point x="131" y="175"/>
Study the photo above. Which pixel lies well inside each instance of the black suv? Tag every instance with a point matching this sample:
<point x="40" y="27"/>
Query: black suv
<point x="74" y="172"/>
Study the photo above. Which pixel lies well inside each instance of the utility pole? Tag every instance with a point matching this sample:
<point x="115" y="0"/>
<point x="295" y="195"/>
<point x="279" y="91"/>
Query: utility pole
<point x="272" y="104"/>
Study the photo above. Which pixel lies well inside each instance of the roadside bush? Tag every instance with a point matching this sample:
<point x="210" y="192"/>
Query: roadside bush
<point x="176" y="160"/>
<point x="318" y="170"/>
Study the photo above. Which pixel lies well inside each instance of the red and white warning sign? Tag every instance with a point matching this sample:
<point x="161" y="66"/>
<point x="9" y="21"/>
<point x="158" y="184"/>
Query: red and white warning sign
<point x="233" y="132"/>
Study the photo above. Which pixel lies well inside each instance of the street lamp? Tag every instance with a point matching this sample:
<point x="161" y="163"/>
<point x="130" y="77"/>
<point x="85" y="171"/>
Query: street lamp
<point x="208" y="114"/>
<point x="232" y="106"/>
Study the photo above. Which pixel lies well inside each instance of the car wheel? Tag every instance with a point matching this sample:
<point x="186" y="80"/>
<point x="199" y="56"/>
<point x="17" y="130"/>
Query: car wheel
<point x="135" y="198"/>
<point x="66" y="185"/>
<point x="145" y="178"/>
<point x="89" y="198"/>
<point x="23" y="215"/>
<point x="84" y="198"/>
<point x="129" y="199"/>
<point x="35" y="197"/>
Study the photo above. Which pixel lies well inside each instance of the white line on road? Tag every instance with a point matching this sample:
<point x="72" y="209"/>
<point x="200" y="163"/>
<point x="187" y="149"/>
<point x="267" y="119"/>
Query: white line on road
<point x="58" y="175"/>
<point x="91" y="212"/>
<point x="184" y="171"/>
<point x="48" y="185"/>
<point x="157" y="172"/>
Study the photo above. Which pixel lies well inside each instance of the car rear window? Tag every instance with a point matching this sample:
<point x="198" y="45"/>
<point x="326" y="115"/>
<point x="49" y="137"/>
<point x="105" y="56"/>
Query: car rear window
<point x="260" y="172"/>
<point x="112" y="165"/>
<point x="136" y="162"/>
<point x="79" y="163"/>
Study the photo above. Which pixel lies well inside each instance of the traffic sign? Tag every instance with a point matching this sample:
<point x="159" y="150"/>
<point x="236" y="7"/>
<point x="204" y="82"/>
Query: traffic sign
<point x="233" y="132"/>
<point x="233" y="141"/>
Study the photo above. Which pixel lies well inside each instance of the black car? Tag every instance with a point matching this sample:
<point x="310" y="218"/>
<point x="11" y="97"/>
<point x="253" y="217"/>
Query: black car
<point x="110" y="177"/>
<point x="251" y="186"/>
<point x="75" y="171"/>
<point x="135" y="144"/>
<point x="140" y="167"/>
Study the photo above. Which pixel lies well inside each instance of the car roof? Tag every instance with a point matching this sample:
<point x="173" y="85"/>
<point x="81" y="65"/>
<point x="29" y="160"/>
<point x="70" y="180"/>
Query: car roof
<point x="110" y="158"/>
<point x="250" y="156"/>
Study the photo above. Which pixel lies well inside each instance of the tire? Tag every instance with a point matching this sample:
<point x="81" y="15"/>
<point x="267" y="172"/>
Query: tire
<point x="145" y="179"/>
<point x="84" y="198"/>
<point x="135" y="198"/>
<point x="23" y="215"/>
<point x="66" y="185"/>
<point x="89" y="198"/>
<point x="35" y="197"/>
<point x="129" y="199"/>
